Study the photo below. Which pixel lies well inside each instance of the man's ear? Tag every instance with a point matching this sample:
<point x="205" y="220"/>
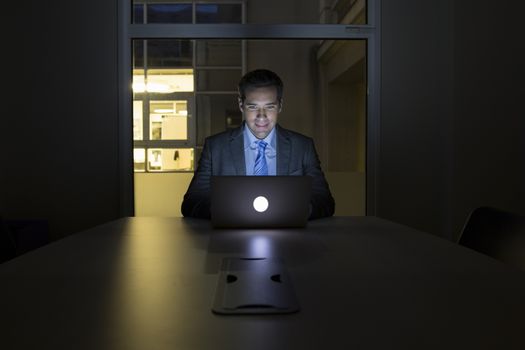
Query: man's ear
<point x="240" y="103"/>
<point x="280" y="105"/>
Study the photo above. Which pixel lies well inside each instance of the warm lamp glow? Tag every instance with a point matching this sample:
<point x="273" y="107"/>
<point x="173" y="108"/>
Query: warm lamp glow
<point x="158" y="87"/>
<point x="163" y="81"/>
<point x="138" y="86"/>
<point x="164" y="110"/>
<point x="139" y="155"/>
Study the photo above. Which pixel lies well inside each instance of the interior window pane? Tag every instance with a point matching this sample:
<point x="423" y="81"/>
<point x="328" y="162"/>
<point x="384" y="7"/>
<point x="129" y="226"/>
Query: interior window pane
<point x="219" y="13"/>
<point x="138" y="53"/>
<point x="138" y="13"/>
<point x="325" y="97"/>
<point x="170" y="159"/>
<point x="349" y="11"/>
<point x="307" y="12"/>
<point x="169" y="120"/>
<point x="257" y="11"/>
<point x="169" y="53"/>
<point x="164" y="81"/>
<point x="216" y="113"/>
<point x="169" y="13"/>
<point x="139" y="159"/>
<point x="219" y="53"/>
<point x="137" y="120"/>
<point x="218" y="79"/>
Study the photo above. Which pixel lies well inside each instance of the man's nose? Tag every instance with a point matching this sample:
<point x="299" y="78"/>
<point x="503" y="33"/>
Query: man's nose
<point x="261" y="113"/>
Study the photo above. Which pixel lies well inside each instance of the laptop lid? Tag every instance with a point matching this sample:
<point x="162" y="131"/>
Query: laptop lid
<point x="260" y="201"/>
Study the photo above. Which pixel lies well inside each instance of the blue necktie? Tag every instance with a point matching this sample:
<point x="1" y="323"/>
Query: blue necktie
<point x="261" y="168"/>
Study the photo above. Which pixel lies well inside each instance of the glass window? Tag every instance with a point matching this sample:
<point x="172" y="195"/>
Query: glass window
<point x="169" y="78"/>
<point x="169" y="13"/>
<point x="325" y="93"/>
<point x="138" y="53"/>
<point x="306" y="12"/>
<point x="137" y="120"/>
<point x="168" y="120"/>
<point x="257" y="11"/>
<point x="169" y="53"/>
<point x="170" y="159"/>
<point x="216" y="113"/>
<point x="162" y="81"/>
<point x="138" y="13"/>
<point x="219" y="13"/>
<point x="139" y="159"/>
<point x="218" y="79"/>
<point x="349" y="11"/>
<point x="219" y="53"/>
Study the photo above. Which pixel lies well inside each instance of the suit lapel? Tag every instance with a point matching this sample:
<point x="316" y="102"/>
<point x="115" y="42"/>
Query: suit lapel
<point x="284" y="150"/>
<point x="237" y="151"/>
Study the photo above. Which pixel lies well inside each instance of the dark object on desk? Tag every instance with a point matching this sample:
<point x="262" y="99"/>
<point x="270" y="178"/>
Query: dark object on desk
<point x="496" y="233"/>
<point x="21" y="236"/>
<point x="254" y="286"/>
<point x="260" y="201"/>
<point x="7" y="242"/>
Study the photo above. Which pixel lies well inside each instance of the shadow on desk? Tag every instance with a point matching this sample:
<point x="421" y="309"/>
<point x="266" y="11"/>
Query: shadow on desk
<point x="298" y="246"/>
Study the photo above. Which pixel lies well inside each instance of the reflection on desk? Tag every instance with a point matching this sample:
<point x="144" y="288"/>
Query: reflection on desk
<point x="361" y="282"/>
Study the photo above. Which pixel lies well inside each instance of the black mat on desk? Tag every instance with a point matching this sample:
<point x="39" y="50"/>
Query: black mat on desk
<point x="254" y="286"/>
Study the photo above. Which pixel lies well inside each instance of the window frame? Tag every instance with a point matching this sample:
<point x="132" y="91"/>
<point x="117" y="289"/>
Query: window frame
<point x="127" y="32"/>
<point x="146" y="142"/>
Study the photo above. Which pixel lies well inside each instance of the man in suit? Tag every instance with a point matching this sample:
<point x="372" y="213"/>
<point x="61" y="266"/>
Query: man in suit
<point x="258" y="147"/>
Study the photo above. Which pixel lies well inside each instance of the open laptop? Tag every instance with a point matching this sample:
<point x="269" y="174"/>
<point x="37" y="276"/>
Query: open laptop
<point x="260" y="201"/>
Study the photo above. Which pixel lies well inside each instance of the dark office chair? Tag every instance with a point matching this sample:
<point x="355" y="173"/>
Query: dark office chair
<point x="7" y="242"/>
<point x="496" y="233"/>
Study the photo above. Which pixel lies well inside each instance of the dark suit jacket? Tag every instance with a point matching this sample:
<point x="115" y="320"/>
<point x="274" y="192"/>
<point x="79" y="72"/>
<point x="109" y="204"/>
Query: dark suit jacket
<point x="223" y="154"/>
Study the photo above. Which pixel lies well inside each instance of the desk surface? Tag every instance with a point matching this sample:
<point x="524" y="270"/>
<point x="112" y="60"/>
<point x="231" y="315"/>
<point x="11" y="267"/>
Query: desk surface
<point x="361" y="282"/>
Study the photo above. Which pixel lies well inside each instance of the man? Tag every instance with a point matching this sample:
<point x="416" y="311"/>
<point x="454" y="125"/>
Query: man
<point x="258" y="147"/>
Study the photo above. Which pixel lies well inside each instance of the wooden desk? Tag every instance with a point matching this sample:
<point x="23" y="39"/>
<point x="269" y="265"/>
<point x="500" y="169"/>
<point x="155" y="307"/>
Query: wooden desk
<point x="362" y="283"/>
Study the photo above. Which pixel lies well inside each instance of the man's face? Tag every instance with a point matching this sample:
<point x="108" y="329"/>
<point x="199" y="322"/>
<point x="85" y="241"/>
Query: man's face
<point x="260" y="110"/>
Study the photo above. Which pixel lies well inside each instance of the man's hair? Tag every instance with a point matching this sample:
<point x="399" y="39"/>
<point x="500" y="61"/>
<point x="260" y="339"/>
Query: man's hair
<point x="260" y="78"/>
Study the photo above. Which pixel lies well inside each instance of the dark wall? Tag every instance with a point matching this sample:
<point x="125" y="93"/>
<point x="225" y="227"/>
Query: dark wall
<point x="489" y="147"/>
<point x="451" y="130"/>
<point x="416" y="112"/>
<point x="451" y="125"/>
<point x="59" y="132"/>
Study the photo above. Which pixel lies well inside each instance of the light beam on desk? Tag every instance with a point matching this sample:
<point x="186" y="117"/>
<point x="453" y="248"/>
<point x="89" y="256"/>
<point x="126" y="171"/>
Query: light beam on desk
<point x="260" y="247"/>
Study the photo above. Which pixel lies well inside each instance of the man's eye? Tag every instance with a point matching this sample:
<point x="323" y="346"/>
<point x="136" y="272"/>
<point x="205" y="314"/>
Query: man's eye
<point x="252" y="108"/>
<point x="270" y="107"/>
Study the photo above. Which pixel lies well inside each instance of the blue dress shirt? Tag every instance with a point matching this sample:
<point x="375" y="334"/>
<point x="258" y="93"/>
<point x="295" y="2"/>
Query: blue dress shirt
<point x="250" y="151"/>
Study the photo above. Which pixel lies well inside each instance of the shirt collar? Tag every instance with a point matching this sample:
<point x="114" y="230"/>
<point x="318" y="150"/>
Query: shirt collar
<point x="250" y="141"/>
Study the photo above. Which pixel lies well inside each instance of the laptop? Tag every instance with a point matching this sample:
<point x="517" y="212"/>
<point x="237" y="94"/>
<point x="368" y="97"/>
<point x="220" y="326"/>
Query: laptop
<point x="260" y="201"/>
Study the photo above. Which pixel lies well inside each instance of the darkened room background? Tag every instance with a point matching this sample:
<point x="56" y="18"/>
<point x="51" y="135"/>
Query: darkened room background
<point x="451" y="112"/>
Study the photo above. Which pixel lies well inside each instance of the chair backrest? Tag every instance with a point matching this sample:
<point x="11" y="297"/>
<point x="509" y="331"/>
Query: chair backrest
<point x="496" y="233"/>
